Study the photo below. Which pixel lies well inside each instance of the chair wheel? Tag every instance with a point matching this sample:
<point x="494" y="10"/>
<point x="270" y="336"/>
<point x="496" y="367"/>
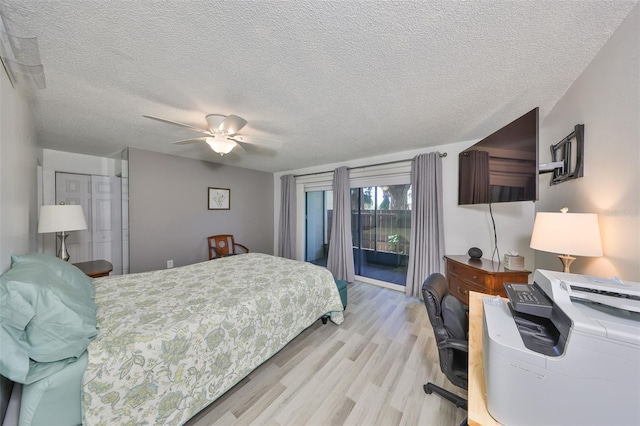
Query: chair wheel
<point x="426" y="389"/>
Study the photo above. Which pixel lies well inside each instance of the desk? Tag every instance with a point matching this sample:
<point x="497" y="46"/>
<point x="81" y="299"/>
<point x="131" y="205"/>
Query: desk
<point x="95" y="268"/>
<point x="477" y="405"/>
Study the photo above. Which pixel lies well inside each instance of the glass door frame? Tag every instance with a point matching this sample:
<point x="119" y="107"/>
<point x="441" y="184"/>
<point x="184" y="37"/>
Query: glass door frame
<point x="387" y="174"/>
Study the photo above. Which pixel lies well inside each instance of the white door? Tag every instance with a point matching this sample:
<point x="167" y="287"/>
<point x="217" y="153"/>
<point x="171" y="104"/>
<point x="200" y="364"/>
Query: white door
<point x="75" y="189"/>
<point x="100" y="198"/>
<point x="106" y="220"/>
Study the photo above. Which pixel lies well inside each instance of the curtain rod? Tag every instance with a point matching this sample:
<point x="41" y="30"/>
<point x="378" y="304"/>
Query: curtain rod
<point x="363" y="167"/>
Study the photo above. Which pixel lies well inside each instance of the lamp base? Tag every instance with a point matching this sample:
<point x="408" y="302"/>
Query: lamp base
<point x="62" y="252"/>
<point x="566" y="260"/>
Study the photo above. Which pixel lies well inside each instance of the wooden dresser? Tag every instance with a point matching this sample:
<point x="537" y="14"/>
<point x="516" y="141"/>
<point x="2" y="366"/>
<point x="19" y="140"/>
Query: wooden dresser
<point x="482" y="275"/>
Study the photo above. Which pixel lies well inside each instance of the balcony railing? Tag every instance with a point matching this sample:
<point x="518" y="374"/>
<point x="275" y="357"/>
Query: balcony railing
<point x="382" y="230"/>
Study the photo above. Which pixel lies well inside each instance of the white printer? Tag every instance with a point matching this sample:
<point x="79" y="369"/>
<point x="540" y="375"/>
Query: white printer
<point x="564" y="351"/>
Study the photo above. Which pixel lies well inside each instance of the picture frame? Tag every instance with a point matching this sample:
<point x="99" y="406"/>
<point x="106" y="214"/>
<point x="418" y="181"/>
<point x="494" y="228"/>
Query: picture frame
<point x="219" y="198"/>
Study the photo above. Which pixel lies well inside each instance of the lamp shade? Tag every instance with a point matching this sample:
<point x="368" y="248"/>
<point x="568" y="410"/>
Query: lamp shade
<point x="61" y="218"/>
<point x="567" y="233"/>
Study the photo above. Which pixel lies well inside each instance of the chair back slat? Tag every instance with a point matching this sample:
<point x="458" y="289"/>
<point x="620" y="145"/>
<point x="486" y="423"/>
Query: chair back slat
<point x="223" y="245"/>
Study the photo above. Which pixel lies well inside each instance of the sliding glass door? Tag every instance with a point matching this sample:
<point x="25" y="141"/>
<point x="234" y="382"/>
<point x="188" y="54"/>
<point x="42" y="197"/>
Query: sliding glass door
<point x="380" y="229"/>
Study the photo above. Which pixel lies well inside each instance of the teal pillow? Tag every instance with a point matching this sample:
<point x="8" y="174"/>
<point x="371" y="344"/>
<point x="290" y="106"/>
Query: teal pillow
<point x="65" y="270"/>
<point x="13" y="366"/>
<point x="43" y="319"/>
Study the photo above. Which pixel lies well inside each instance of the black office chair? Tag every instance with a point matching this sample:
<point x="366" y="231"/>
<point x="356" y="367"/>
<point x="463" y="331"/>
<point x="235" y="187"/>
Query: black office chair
<point x="450" y="323"/>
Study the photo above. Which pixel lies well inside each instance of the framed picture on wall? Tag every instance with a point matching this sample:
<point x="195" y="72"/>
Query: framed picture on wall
<point x="219" y="198"/>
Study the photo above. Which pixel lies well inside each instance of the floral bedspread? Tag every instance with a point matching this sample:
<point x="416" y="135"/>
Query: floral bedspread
<point x="172" y="341"/>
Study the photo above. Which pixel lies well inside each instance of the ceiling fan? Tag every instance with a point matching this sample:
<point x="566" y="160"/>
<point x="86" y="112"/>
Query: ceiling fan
<point x="221" y="136"/>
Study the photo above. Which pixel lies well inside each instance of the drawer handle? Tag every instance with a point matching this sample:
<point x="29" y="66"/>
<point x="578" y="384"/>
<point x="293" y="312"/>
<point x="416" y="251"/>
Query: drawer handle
<point x="461" y="291"/>
<point x="475" y="277"/>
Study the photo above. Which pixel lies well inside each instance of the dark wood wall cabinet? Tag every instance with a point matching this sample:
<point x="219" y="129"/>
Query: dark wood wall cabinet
<point x="482" y="275"/>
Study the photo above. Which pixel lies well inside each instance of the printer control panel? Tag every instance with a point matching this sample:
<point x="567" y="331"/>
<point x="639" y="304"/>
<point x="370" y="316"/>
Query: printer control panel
<point x="529" y="299"/>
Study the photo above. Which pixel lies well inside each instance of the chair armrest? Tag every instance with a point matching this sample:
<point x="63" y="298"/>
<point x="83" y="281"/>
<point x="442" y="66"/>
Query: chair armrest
<point x="459" y="345"/>
<point x="243" y="247"/>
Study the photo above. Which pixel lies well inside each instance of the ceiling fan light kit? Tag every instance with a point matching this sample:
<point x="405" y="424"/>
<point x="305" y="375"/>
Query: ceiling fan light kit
<point x="221" y="146"/>
<point x="221" y="135"/>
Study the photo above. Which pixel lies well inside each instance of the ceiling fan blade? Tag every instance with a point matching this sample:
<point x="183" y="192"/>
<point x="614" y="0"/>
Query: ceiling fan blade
<point x="164" y="120"/>
<point x="188" y="141"/>
<point x="258" y="141"/>
<point x="214" y="121"/>
<point x="238" y="149"/>
<point x="258" y="149"/>
<point x="232" y="124"/>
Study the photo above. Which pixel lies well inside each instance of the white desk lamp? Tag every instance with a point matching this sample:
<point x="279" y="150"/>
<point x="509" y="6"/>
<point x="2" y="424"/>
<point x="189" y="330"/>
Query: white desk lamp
<point x="567" y="233"/>
<point x="61" y="218"/>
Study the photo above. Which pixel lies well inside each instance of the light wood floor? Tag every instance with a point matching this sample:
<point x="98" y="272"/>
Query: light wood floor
<point x="368" y="371"/>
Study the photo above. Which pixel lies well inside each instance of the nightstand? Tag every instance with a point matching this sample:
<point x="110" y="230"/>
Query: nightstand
<point x="95" y="268"/>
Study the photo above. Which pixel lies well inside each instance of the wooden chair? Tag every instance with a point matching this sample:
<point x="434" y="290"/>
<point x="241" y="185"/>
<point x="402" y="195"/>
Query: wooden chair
<point x="223" y="245"/>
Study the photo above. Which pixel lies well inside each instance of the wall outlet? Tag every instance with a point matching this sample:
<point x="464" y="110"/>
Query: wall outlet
<point x="169" y="263"/>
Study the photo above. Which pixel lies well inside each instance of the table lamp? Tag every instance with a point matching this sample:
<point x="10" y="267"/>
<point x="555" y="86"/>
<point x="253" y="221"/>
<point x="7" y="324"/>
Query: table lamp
<point x="567" y="233"/>
<point x="61" y="218"/>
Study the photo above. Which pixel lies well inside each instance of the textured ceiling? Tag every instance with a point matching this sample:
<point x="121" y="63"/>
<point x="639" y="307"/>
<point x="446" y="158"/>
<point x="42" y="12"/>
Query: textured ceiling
<point x="332" y="81"/>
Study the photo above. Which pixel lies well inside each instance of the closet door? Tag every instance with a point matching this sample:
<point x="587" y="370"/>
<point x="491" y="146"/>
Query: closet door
<point x="106" y="221"/>
<point x="75" y="189"/>
<point x="100" y="198"/>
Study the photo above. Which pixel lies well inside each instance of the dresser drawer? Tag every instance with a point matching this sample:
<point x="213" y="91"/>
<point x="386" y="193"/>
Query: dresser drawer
<point x="476" y="276"/>
<point x="461" y="288"/>
<point x="481" y="275"/>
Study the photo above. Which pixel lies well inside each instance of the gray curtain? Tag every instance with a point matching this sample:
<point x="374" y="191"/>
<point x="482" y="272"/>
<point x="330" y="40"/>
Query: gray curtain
<point x="340" y="261"/>
<point x="427" y="229"/>
<point x="287" y="231"/>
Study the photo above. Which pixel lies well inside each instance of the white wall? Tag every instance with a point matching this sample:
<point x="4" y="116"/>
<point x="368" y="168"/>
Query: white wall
<point x="19" y="156"/>
<point x="606" y="99"/>
<point x="464" y="226"/>
<point x="470" y="225"/>
<point x="70" y="162"/>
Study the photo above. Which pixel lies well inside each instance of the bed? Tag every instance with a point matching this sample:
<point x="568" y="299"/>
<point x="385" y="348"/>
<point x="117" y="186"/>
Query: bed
<point x="171" y="342"/>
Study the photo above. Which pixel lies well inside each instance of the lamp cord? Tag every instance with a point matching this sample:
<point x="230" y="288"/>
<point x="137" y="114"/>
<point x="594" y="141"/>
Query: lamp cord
<point x="495" y="237"/>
